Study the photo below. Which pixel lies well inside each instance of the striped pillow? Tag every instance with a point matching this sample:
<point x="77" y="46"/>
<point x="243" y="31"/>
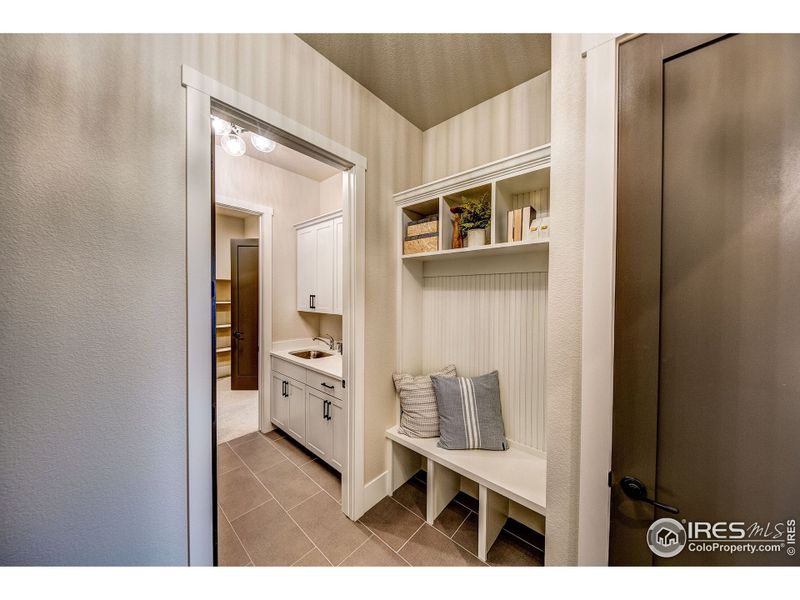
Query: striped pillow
<point x="419" y="417"/>
<point x="469" y="412"/>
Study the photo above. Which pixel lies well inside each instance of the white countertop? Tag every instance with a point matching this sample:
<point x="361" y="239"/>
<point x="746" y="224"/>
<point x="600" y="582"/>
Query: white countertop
<point x="330" y="365"/>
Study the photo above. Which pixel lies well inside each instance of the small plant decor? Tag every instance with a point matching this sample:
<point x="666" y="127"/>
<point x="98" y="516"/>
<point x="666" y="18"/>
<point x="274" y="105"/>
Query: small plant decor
<point x="477" y="212"/>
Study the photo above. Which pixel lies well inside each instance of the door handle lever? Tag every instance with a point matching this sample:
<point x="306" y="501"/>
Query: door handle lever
<point x="636" y="490"/>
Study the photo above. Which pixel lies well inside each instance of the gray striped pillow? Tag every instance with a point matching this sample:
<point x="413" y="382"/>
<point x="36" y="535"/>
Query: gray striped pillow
<point x="418" y="416"/>
<point x="469" y="412"/>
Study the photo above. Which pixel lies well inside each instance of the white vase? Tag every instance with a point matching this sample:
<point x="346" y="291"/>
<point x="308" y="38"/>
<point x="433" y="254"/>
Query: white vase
<point x="476" y="237"/>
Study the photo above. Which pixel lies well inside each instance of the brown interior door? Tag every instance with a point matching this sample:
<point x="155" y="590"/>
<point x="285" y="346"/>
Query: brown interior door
<point x="244" y="314"/>
<point x="707" y="328"/>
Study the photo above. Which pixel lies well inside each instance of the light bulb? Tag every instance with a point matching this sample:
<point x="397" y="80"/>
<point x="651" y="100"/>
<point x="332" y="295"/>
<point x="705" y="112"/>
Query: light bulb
<point x="233" y="144"/>
<point x="261" y="143"/>
<point x="220" y="126"/>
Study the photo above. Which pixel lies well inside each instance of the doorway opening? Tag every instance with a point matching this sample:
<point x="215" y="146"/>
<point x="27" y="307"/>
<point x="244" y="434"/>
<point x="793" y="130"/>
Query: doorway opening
<point x="238" y="317"/>
<point x="281" y="404"/>
<point x="205" y="95"/>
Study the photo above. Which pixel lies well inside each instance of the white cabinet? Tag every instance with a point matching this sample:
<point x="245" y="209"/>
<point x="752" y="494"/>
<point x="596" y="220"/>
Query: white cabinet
<point x="288" y="398"/>
<point x="326" y="427"/>
<point x="325" y="268"/>
<point x="306" y="267"/>
<point x="319" y="434"/>
<point x="279" y="401"/>
<point x="297" y="409"/>
<point x="310" y="407"/>
<point x="338" y="423"/>
<point x="338" y="259"/>
<point x="319" y="264"/>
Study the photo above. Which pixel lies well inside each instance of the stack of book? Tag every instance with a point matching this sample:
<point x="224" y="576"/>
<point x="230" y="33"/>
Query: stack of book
<point x="519" y="224"/>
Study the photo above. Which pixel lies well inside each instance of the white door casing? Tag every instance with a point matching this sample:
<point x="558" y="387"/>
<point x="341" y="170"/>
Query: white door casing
<point x="201" y="91"/>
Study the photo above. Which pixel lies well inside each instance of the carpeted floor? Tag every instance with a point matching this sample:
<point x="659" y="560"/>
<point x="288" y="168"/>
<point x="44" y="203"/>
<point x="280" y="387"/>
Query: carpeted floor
<point x="237" y="411"/>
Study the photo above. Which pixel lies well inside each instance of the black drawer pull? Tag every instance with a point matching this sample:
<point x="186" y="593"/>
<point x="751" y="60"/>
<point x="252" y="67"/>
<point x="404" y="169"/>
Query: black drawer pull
<point x="330" y="387"/>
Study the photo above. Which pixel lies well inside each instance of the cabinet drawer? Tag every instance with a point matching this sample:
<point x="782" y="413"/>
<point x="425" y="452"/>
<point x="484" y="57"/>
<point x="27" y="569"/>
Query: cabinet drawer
<point x="325" y="384"/>
<point x="288" y="369"/>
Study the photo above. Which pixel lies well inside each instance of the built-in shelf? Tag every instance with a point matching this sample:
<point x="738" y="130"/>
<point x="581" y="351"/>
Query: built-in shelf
<point x="488" y="250"/>
<point x="223" y="330"/>
<point x="499" y="288"/>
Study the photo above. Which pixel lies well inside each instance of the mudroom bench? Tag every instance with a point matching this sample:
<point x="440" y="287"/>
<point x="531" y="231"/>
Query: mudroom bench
<point x="516" y="474"/>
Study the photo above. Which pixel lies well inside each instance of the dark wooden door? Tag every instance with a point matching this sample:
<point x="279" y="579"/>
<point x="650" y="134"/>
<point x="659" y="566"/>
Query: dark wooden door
<point x="707" y="327"/>
<point x="244" y="314"/>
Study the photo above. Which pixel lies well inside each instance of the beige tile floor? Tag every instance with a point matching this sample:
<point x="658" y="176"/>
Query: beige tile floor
<point x="279" y="506"/>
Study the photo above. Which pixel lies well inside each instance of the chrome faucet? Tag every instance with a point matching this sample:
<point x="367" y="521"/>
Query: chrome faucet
<point x="328" y="339"/>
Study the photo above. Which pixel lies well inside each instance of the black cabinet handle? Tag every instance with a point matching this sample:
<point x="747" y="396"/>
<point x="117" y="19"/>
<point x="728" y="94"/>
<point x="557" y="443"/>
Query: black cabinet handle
<point x="312" y="301"/>
<point x="285" y="388"/>
<point x="325" y="409"/>
<point x="330" y="387"/>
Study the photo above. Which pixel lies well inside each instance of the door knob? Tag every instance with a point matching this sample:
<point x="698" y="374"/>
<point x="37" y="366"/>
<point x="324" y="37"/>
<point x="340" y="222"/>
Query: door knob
<point x="238" y="335"/>
<point x="636" y="490"/>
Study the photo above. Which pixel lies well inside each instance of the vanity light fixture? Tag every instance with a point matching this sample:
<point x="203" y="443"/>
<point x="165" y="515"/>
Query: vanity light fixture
<point x="261" y="143"/>
<point x="233" y="142"/>
<point x="220" y="126"/>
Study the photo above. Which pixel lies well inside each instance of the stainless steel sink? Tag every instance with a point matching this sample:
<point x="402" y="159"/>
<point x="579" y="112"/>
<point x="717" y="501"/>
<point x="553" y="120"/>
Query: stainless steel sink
<point x="310" y="354"/>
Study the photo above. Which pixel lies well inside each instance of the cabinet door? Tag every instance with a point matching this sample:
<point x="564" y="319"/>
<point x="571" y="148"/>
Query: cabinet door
<point x="278" y="402"/>
<point x="319" y="437"/>
<point x="297" y="410"/>
<point x="306" y="267"/>
<point x="323" y="289"/>
<point x="338" y="259"/>
<point x="338" y="423"/>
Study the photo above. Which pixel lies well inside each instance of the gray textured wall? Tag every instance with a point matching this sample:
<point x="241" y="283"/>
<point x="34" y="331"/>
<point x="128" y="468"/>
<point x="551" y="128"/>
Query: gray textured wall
<point x="92" y="277"/>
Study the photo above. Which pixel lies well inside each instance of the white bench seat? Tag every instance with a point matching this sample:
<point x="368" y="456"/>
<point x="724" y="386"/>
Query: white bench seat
<point x="513" y="474"/>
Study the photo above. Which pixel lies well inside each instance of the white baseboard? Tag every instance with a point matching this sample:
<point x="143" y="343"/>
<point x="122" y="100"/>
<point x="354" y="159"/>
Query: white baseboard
<point x="376" y="490"/>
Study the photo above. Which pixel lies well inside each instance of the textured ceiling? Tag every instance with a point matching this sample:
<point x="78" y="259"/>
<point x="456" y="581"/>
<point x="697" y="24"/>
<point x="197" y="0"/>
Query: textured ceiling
<point x="430" y="77"/>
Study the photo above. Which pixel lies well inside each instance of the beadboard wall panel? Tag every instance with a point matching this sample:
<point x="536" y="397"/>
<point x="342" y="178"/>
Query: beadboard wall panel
<point x="493" y="321"/>
<point x="507" y="124"/>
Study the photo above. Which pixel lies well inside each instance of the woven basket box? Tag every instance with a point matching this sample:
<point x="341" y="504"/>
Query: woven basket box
<point x="428" y="242"/>
<point x="428" y="225"/>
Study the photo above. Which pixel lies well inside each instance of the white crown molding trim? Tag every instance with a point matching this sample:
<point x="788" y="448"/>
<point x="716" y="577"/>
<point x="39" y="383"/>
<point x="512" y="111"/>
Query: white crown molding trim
<point x="523" y="162"/>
